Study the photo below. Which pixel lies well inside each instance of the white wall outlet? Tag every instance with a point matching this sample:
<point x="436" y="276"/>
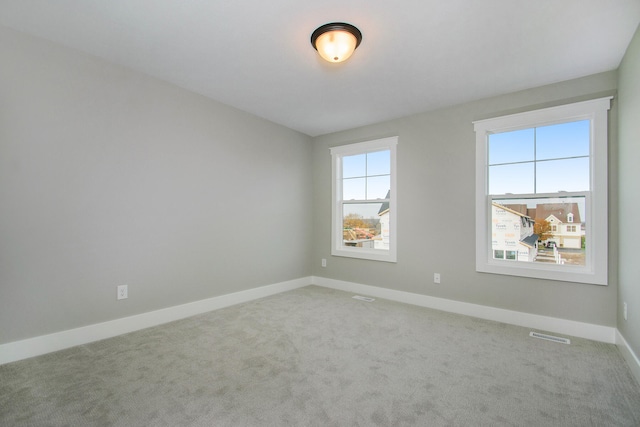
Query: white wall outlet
<point x="624" y="310"/>
<point x="436" y="277"/>
<point x="123" y="292"/>
<point x="324" y="262"/>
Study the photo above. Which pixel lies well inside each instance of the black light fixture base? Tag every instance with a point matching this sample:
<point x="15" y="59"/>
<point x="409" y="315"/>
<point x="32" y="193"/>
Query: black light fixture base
<point x="336" y="26"/>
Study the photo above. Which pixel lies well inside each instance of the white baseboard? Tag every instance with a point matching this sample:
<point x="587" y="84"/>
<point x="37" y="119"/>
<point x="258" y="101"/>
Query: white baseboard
<point x="36" y="346"/>
<point x="629" y="355"/>
<point x="544" y="323"/>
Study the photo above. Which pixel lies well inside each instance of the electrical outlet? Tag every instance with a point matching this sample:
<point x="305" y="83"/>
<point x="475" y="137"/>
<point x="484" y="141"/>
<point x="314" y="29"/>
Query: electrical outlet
<point x="123" y="292"/>
<point x="324" y="262"/>
<point x="436" y="277"/>
<point x="624" y="310"/>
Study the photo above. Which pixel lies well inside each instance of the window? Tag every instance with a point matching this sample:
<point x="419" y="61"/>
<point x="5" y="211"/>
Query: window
<point x="545" y="167"/>
<point x="364" y="200"/>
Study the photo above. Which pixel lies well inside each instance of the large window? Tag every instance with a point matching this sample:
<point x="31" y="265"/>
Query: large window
<point x="537" y="172"/>
<point x="364" y="200"/>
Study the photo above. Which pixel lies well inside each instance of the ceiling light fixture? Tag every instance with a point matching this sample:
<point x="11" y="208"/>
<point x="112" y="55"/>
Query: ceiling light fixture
<point x="336" y="41"/>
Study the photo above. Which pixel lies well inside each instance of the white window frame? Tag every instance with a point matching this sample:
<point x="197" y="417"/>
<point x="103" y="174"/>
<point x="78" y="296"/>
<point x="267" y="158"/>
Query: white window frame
<point x="337" y="247"/>
<point x="595" y="270"/>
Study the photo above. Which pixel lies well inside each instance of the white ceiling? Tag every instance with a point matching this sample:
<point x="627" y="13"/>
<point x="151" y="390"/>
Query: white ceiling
<point x="415" y="56"/>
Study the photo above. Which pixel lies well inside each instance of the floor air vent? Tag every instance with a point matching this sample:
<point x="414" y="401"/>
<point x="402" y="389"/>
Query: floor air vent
<point x="549" y="338"/>
<point x="367" y="299"/>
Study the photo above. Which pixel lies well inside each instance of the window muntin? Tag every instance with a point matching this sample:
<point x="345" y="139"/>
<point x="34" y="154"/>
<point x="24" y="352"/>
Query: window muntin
<point x="542" y="159"/>
<point x="364" y="207"/>
<point x="554" y="155"/>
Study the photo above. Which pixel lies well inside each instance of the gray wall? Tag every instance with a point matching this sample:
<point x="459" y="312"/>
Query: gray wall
<point x="629" y="178"/>
<point x="110" y="177"/>
<point x="436" y="209"/>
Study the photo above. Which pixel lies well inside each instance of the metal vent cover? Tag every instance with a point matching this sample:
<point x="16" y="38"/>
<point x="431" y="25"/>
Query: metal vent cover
<point x="549" y="338"/>
<point x="367" y="299"/>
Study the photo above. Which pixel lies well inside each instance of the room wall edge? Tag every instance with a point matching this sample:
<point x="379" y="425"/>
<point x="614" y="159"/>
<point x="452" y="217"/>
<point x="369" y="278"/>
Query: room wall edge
<point x="629" y="355"/>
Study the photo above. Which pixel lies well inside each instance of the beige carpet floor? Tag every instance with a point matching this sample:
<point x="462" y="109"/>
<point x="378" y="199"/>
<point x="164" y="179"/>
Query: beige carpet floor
<point x="317" y="357"/>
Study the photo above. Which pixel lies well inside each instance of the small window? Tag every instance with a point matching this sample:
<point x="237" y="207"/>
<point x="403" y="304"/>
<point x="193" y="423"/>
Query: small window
<point x="547" y="167"/>
<point x="364" y="200"/>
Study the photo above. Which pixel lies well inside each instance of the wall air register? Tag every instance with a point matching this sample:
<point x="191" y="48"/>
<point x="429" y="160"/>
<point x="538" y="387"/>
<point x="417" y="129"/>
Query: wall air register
<point x="367" y="299"/>
<point x="549" y="338"/>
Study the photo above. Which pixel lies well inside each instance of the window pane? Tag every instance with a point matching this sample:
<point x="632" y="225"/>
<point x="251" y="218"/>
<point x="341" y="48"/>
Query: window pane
<point x="365" y="225"/>
<point x="379" y="163"/>
<point x="363" y="200"/>
<point x="562" y="175"/>
<point x="563" y="140"/>
<point x="561" y="134"/>
<point x="353" y="189"/>
<point x="354" y="166"/>
<point x="556" y="242"/>
<point x="514" y="179"/>
<point x="510" y="147"/>
<point x="378" y="187"/>
<point x="366" y="176"/>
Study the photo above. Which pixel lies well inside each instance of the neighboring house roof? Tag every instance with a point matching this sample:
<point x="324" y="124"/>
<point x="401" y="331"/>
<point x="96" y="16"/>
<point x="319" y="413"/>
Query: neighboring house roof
<point x="545" y="210"/>
<point x="516" y="211"/>
<point x="530" y="241"/>
<point x="385" y="206"/>
<point x="523" y="209"/>
<point x="520" y="208"/>
<point x="559" y="210"/>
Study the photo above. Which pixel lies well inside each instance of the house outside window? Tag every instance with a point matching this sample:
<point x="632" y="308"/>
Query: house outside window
<point x="512" y="234"/>
<point x="364" y="200"/>
<point x="549" y="168"/>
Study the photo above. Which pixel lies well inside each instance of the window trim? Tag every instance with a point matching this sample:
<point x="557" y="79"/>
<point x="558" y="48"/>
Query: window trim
<point x="595" y="271"/>
<point x="337" y="153"/>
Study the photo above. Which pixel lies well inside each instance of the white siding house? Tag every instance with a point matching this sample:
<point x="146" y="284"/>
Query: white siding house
<point x="565" y="222"/>
<point x="512" y="236"/>
<point x="383" y="213"/>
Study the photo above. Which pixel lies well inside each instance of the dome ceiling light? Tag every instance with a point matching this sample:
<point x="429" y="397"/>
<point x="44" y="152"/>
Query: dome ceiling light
<point x="336" y="41"/>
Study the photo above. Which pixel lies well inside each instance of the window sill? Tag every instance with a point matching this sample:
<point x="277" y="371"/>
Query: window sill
<point x="370" y="255"/>
<point x="562" y="273"/>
